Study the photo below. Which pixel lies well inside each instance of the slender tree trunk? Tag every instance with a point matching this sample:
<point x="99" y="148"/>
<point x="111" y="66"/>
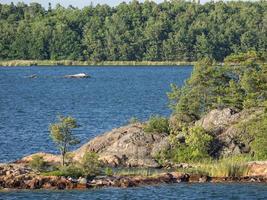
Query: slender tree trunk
<point x="63" y="159"/>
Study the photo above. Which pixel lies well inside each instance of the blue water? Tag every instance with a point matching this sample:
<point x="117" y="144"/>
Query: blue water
<point x="175" y="191"/>
<point x="107" y="100"/>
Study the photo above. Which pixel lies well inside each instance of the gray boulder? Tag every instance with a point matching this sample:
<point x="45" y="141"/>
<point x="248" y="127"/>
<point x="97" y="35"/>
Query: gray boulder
<point x="126" y="146"/>
<point x="224" y="125"/>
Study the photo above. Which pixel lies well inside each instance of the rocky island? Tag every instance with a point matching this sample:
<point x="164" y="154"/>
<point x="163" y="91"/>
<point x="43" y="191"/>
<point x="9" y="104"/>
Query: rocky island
<point x="216" y="133"/>
<point x="130" y="147"/>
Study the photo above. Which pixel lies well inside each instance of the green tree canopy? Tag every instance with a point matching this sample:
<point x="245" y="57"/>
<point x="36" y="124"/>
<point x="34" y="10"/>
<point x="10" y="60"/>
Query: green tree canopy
<point x="61" y="134"/>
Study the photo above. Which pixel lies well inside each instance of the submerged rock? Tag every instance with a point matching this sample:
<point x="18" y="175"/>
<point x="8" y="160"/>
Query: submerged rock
<point x="32" y="76"/>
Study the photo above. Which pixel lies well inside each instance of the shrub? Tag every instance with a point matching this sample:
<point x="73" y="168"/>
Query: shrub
<point x="157" y="124"/>
<point x="194" y="148"/>
<point x="108" y="171"/>
<point x="37" y="163"/>
<point x="257" y="130"/>
<point x="71" y="170"/>
<point x="90" y="164"/>
<point x="134" y="120"/>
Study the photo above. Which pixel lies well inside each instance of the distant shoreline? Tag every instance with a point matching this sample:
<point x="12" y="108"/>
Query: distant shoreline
<point x="26" y="63"/>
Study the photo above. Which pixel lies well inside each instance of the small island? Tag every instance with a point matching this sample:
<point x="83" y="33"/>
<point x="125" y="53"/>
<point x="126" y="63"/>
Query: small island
<point x="216" y="133"/>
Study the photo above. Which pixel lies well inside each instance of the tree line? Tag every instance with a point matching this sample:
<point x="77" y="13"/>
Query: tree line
<point x="170" y="31"/>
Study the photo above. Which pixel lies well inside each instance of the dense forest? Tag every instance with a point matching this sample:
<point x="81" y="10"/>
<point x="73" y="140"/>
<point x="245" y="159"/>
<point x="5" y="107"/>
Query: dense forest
<point x="170" y="31"/>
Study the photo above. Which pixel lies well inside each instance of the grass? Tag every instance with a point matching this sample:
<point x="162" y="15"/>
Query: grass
<point x="136" y="172"/>
<point x="90" y="63"/>
<point x="65" y="171"/>
<point x="226" y="167"/>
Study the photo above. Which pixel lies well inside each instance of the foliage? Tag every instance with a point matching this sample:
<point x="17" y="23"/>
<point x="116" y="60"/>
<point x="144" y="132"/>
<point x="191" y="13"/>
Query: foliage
<point x="224" y="168"/>
<point x="157" y="124"/>
<point x="61" y="134"/>
<point x="37" y="163"/>
<point x="108" y="171"/>
<point x="254" y="133"/>
<point x="194" y="147"/>
<point x="135" y="31"/>
<point x="134" y="120"/>
<point x="211" y="86"/>
<point x="137" y="172"/>
<point x="66" y="171"/>
<point x="88" y="167"/>
<point x="90" y="164"/>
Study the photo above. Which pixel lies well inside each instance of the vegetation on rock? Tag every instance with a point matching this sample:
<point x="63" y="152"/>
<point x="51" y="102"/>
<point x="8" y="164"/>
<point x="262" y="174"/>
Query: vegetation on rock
<point x="90" y="164"/>
<point x="37" y="163"/>
<point x="193" y="146"/>
<point x="214" y="86"/>
<point x="157" y="124"/>
<point x="239" y="84"/>
<point x="61" y="134"/>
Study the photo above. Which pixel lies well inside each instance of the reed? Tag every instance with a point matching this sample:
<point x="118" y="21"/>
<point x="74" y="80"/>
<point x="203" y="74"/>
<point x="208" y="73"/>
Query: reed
<point x="228" y="167"/>
<point x="136" y="172"/>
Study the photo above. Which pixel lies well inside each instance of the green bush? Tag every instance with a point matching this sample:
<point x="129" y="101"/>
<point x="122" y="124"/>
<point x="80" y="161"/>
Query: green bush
<point x="108" y="171"/>
<point x="257" y="130"/>
<point x="157" y="124"/>
<point x="71" y="170"/>
<point x="193" y="149"/>
<point x="90" y="164"/>
<point x="133" y="120"/>
<point x="37" y="163"/>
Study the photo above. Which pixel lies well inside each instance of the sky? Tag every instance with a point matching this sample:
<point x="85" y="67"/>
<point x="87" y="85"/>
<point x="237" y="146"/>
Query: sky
<point x="76" y="3"/>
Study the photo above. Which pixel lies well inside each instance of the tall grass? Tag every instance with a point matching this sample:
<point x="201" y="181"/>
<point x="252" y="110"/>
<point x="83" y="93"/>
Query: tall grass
<point x="136" y="172"/>
<point x="226" y="167"/>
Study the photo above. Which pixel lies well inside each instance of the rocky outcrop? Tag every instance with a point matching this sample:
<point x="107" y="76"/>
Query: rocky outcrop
<point x="257" y="168"/>
<point x="130" y="146"/>
<point x="224" y="126"/>
<point x="48" y="157"/>
<point x="126" y="146"/>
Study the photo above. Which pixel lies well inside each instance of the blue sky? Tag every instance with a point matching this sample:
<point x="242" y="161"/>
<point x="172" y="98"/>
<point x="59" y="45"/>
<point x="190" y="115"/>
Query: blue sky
<point x="78" y="3"/>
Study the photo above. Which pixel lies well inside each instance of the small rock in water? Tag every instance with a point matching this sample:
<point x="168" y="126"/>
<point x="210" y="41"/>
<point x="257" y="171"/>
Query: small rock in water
<point x="32" y="76"/>
<point x="80" y="75"/>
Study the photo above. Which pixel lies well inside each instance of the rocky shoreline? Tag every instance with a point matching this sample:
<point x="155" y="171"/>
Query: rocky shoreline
<point x="130" y="147"/>
<point x="21" y="177"/>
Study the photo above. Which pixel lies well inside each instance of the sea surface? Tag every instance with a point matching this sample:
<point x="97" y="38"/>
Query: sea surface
<point x="180" y="191"/>
<point x="105" y="101"/>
